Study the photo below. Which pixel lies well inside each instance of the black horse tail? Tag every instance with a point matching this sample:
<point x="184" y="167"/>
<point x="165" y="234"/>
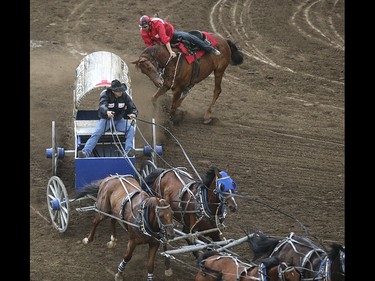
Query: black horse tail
<point x="262" y="245"/>
<point x="89" y="189"/>
<point x="236" y="57"/>
<point x="149" y="180"/>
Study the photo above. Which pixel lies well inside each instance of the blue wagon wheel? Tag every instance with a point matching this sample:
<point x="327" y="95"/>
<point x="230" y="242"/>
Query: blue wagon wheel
<point x="147" y="167"/>
<point x="58" y="203"/>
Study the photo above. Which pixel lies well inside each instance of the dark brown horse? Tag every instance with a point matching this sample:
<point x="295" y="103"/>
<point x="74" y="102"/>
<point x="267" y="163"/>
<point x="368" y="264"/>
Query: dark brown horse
<point x="314" y="263"/>
<point x="180" y="75"/>
<point x="217" y="266"/>
<point x="148" y="220"/>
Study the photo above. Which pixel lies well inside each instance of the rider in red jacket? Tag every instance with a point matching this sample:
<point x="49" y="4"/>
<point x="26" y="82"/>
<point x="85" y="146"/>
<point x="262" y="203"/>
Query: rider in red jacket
<point x="158" y="31"/>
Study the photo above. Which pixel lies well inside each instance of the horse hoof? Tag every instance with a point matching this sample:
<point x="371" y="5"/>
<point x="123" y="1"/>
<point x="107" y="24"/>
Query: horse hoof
<point x="207" y="121"/>
<point x="168" y="272"/>
<point x="119" y="276"/>
<point x="85" y="241"/>
<point x="111" y="244"/>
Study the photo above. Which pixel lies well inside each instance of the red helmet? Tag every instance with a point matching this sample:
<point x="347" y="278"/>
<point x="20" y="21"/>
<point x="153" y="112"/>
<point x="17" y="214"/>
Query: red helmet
<point x="143" y="21"/>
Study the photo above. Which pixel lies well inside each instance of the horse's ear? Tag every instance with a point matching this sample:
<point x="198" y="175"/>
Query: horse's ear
<point x="228" y="169"/>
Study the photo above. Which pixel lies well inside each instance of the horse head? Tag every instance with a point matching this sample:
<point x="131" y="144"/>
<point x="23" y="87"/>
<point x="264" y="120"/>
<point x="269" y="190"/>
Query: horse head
<point x="336" y="255"/>
<point x="152" y="62"/>
<point x="226" y="188"/>
<point x="164" y="215"/>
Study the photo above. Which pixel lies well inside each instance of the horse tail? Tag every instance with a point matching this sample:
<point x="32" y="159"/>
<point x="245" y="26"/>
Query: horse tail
<point x="261" y="245"/>
<point x="150" y="179"/>
<point x="91" y="189"/>
<point x="236" y="57"/>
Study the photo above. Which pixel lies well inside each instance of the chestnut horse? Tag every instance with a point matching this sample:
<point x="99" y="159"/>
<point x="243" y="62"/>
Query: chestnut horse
<point x="148" y="220"/>
<point x="217" y="266"/>
<point x="180" y="75"/>
<point x="314" y="263"/>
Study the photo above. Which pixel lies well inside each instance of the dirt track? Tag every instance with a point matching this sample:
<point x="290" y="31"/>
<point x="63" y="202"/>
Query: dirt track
<point x="278" y="125"/>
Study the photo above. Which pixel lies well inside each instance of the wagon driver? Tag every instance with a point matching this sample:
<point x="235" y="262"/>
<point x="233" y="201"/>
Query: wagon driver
<point x="116" y="104"/>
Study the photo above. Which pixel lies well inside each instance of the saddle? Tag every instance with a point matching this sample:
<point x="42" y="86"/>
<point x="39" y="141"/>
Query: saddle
<point x="190" y="46"/>
<point x="192" y="54"/>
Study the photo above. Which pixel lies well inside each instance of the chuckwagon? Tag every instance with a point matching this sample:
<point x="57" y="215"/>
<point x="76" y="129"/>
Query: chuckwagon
<point x="94" y="74"/>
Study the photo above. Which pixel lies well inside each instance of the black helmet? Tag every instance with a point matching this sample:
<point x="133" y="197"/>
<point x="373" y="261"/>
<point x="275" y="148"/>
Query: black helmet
<point x="143" y="21"/>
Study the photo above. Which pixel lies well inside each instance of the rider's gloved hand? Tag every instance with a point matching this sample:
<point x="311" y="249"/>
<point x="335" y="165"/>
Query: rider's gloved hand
<point x="110" y="114"/>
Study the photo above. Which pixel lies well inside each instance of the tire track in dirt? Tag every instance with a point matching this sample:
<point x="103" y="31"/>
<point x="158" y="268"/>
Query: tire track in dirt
<point x="314" y="14"/>
<point x="224" y="9"/>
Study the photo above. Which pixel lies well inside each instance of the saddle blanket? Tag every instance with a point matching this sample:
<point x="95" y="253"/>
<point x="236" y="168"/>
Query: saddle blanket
<point x="189" y="57"/>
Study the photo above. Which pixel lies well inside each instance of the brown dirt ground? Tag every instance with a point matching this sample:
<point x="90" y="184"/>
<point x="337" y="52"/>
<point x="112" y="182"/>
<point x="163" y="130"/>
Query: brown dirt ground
<point x="278" y="125"/>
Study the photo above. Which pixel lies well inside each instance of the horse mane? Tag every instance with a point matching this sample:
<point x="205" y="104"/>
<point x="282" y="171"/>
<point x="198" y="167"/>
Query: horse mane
<point x="150" y="178"/>
<point x="334" y="250"/>
<point x="262" y="245"/>
<point x="151" y="201"/>
<point x="210" y="175"/>
<point x="206" y="255"/>
<point x="270" y="262"/>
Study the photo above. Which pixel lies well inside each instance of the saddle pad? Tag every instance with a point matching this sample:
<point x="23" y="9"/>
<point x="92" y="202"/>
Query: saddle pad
<point x="190" y="58"/>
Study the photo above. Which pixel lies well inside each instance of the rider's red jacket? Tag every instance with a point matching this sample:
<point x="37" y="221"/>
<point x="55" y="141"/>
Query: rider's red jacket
<point x="161" y="31"/>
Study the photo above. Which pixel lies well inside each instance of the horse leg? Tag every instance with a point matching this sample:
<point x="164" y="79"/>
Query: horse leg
<point x="119" y="276"/>
<point x="112" y="243"/>
<point x="97" y="219"/>
<point x="152" y="249"/>
<point x="176" y="103"/>
<point x="218" y="78"/>
<point x="161" y="91"/>
<point x="167" y="263"/>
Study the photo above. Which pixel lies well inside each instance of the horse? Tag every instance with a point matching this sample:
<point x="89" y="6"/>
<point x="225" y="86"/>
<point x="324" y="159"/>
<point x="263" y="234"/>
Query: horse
<point x="197" y="205"/>
<point x="180" y="74"/>
<point x="218" y="266"/>
<point x="314" y="263"/>
<point x="148" y="220"/>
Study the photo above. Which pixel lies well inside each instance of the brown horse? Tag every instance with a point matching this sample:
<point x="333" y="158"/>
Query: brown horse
<point x="197" y="204"/>
<point x="180" y="75"/>
<point x="217" y="266"/>
<point x="314" y="263"/>
<point x="148" y="220"/>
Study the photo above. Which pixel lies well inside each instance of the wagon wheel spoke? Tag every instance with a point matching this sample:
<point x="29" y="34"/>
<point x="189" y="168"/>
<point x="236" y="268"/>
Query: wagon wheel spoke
<point x="54" y="150"/>
<point x="147" y="167"/>
<point x="58" y="203"/>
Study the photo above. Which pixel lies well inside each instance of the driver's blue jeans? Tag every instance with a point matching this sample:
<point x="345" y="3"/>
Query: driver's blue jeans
<point x="121" y="125"/>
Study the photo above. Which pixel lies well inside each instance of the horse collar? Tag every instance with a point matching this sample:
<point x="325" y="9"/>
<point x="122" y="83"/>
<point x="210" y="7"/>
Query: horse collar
<point x="205" y="209"/>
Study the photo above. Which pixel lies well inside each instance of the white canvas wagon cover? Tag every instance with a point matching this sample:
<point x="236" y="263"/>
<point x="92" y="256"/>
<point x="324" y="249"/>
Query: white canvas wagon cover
<point x="95" y="72"/>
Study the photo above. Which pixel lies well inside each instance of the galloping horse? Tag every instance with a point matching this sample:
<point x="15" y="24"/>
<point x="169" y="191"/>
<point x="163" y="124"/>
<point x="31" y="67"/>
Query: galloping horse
<point x="217" y="266"/>
<point x="313" y="262"/>
<point x="148" y="220"/>
<point x="197" y="205"/>
<point x="181" y="73"/>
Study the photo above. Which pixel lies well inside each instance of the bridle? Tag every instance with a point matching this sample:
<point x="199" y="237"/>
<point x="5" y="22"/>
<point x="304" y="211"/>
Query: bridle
<point x="160" y="67"/>
<point x="145" y="225"/>
<point x="325" y="267"/>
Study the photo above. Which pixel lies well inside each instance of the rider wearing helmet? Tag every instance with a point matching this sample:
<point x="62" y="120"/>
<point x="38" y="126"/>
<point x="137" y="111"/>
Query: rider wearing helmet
<point x="158" y="31"/>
